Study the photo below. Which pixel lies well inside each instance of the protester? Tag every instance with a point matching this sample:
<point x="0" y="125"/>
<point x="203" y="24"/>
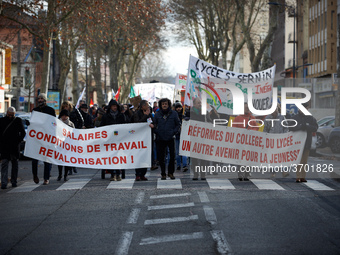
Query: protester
<point x="167" y="125"/>
<point x="247" y="121"/>
<point x="12" y="133"/>
<point x="81" y="118"/>
<point x="155" y="107"/>
<point x="180" y="159"/>
<point x="275" y="127"/>
<point x="64" y="117"/>
<point x="113" y="116"/>
<point x="143" y="115"/>
<point x="99" y="117"/>
<point x="308" y="124"/>
<point x="67" y="106"/>
<point x="43" y="108"/>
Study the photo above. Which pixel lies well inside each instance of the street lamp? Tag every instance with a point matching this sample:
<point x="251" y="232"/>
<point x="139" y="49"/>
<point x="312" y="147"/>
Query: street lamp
<point x="294" y="42"/>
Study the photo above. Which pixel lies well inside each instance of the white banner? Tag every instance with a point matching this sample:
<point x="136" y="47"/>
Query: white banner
<point x="212" y="80"/>
<point x="124" y="146"/>
<point x="180" y="82"/>
<point x="240" y="146"/>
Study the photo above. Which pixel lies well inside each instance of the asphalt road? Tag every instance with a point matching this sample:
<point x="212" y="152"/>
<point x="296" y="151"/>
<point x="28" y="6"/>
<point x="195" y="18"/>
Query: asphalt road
<point x="88" y="215"/>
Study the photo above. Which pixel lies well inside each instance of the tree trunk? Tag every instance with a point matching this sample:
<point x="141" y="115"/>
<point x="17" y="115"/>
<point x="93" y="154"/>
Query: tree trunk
<point x="75" y="85"/>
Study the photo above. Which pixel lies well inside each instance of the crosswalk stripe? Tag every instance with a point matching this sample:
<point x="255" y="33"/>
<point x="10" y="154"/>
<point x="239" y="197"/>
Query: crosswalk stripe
<point x="223" y="246"/>
<point x="171" y="238"/>
<point x="171" y="206"/>
<point x="170" y="195"/>
<point x="74" y="184"/>
<point x="315" y="185"/>
<point x="169" y="184"/>
<point x="170" y="220"/>
<point x="26" y="187"/>
<point x="123" y="184"/>
<point x="266" y="184"/>
<point x="219" y="184"/>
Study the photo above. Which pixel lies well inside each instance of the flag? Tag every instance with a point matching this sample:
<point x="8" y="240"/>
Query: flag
<point x="81" y="96"/>
<point x="113" y="94"/>
<point x="117" y="95"/>
<point x="91" y="103"/>
<point x="132" y="93"/>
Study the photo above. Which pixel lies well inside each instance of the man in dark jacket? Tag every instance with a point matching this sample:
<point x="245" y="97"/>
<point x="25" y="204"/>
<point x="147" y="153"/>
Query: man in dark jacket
<point x="113" y="116"/>
<point x="167" y="125"/>
<point x="143" y="115"/>
<point x="42" y="107"/>
<point x="309" y="124"/>
<point x="12" y="132"/>
<point x="81" y="117"/>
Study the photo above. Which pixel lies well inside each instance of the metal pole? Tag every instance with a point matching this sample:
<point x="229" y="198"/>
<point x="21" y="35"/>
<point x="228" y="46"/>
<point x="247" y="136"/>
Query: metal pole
<point x="294" y="71"/>
<point x="87" y="86"/>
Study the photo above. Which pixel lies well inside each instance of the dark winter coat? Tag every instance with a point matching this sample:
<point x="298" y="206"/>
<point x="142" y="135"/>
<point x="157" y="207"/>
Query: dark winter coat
<point x="109" y="119"/>
<point x="305" y="123"/>
<point x="80" y="119"/>
<point x="139" y="116"/>
<point x="45" y="109"/>
<point x="166" y="125"/>
<point x="11" y="137"/>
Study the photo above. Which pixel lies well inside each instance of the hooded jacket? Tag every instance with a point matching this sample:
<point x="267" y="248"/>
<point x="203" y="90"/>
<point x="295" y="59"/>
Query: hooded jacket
<point x="166" y="123"/>
<point x="113" y="119"/>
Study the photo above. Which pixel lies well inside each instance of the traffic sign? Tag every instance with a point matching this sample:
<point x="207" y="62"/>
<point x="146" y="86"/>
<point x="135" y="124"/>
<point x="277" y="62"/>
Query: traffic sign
<point x="18" y="81"/>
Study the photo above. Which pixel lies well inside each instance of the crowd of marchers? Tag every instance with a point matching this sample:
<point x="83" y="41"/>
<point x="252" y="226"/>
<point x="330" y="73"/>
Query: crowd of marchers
<point x="164" y="119"/>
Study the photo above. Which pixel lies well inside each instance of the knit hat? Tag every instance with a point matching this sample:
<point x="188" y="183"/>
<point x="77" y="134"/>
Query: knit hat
<point x="63" y="113"/>
<point x="43" y="96"/>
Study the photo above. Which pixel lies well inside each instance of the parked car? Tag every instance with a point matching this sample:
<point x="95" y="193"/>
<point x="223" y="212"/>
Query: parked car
<point x="334" y="140"/>
<point x="312" y="150"/>
<point x="325" y="119"/>
<point x="323" y="132"/>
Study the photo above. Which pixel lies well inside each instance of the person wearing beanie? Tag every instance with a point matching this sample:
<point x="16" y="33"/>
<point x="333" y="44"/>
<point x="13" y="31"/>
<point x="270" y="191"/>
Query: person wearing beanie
<point x="81" y="117"/>
<point x="43" y="108"/>
<point x="167" y="125"/>
<point x="113" y="116"/>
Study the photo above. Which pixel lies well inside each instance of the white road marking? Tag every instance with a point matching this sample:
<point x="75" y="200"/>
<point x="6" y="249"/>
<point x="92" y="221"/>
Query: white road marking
<point x="123" y="184"/>
<point x="133" y="218"/>
<point x="124" y="243"/>
<point x="74" y="184"/>
<point x="140" y="197"/>
<point x="171" y="238"/>
<point x="170" y="220"/>
<point x="219" y="184"/>
<point x="169" y="184"/>
<point x="26" y="187"/>
<point x="170" y="195"/>
<point x="171" y="206"/>
<point x="203" y="197"/>
<point x="222" y="245"/>
<point x="315" y="185"/>
<point x="210" y="214"/>
<point x="266" y="184"/>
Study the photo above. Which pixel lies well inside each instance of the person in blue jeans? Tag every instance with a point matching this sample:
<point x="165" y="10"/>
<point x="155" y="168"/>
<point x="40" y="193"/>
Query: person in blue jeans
<point x="180" y="159"/>
<point x="43" y="108"/>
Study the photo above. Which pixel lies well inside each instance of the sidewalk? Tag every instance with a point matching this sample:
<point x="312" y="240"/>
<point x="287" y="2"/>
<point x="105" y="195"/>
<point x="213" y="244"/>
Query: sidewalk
<point x="328" y="154"/>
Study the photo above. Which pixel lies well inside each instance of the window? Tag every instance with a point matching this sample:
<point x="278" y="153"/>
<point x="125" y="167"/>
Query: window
<point x="332" y="17"/>
<point x="325" y="51"/>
